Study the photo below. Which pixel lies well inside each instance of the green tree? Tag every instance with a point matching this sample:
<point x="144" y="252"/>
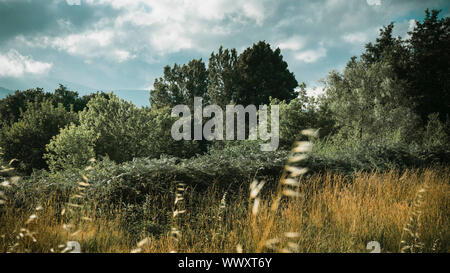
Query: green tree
<point x="390" y="50"/>
<point x="369" y="103"/>
<point x="180" y="84"/>
<point x="71" y="148"/>
<point x="25" y="140"/>
<point x="263" y="74"/>
<point x="430" y="70"/>
<point x="223" y="76"/>
<point x="125" y="131"/>
<point x="68" y="99"/>
<point x="13" y="105"/>
<point x="120" y="126"/>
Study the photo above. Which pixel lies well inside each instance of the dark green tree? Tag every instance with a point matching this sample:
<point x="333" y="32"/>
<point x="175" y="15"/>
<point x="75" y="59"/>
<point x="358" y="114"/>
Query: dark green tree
<point x="25" y="140"/>
<point x="263" y="74"/>
<point x="390" y="50"/>
<point x="430" y="70"/>
<point x="223" y="76"/>
<point x="68" y="99"/>
<point x="13" y="105"/>
<point x="180" y="84"/>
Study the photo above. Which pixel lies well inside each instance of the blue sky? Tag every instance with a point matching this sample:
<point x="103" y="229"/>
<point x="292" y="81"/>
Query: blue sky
<point x="124" y="44"/>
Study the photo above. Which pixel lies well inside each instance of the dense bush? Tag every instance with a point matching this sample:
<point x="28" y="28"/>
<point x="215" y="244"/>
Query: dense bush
<point x="25" y="140"/>
<point x="229" y="167"/>
<point x="118" y="129"/>
<point x="71" y="148"/>
<point x="13" y="105"/>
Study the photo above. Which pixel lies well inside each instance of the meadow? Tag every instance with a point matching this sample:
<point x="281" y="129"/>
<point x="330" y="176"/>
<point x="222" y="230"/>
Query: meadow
<point x="405" y="211"/>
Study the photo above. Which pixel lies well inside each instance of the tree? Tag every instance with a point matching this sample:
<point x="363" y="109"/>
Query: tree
<point x="180" y="84"/>
<point x="430" y="70"/>
<point x="119" y="125"/>
<point x="124" y="131"/>
<point x="13" y="105"/>
<point x="369" y="103"/>
<point x="68" y="99"/>
<point x="223" y="76"/>
<point x="263" y="74"/>
<point x="390" y="50"/>
<point x="71" y="148"/>
<point x="25" y="140"/>
<point x="420" y="61"/>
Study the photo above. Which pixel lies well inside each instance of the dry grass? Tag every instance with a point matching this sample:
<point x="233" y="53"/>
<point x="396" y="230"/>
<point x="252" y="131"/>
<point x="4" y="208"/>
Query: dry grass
<point x="333" y="214"/>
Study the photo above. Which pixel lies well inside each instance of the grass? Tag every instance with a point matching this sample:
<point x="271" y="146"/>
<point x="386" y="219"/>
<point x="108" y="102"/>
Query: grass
<point x="335" y="213"/>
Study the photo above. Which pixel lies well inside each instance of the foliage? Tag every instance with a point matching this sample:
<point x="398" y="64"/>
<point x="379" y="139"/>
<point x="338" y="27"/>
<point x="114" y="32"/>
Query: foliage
<point x="118" y="129"/>
<point x="25" y="140"/>
<point x="13" y="105"/>
<point x="180" y="84"/>
<point x="421" y="61"/>
<point x="429" y="73"/>
<point x="263" y="74"/>
<point x="222" y="76"/>
<point x="436" y="133"/>
<point x="71" y="148"/>
<point x="370" y="104"/>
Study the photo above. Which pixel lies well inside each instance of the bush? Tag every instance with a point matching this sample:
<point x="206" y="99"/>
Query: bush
<point x="72" y="148"/>
<point x="125" y="131"/>
<point x="25" y="140"/>
<point x="436" y="132"/>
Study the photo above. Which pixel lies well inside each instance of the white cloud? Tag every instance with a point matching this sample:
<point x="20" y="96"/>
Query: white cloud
<point x="374" y="2"/>
<point x="312" y="55"/>
<point x="89" y="44"/>
<point x="294" y="43"/>
<point x="73" y="2"/>
<point x="84" y="43"/>
<point x="357" y="38"/>
<point x="174" y="25"/>
<point x="412" y="24"/>
<point x="13" y="64"/>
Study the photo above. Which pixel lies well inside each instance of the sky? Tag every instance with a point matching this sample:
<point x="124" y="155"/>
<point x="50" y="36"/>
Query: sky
<point x="124" y="44"/>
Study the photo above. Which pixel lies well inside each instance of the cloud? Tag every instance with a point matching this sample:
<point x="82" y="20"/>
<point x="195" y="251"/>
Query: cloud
<point x="356" y="38"/>
<point x="312" y="55"/>
<point x="129" y="42"/>
<point x="13" y="64"/>
<point x="293" y="43"/>
<point x="374" y="2"/>
<point x="73" y="2"/>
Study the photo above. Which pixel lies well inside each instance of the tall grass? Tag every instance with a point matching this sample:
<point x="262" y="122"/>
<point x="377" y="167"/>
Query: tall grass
<point x="335" y="213"/>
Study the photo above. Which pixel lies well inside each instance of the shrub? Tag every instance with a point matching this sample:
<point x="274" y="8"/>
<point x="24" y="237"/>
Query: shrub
<point x="71" y="148"/>
<point x="125" y="131"/>
<point x="25" y="140"/>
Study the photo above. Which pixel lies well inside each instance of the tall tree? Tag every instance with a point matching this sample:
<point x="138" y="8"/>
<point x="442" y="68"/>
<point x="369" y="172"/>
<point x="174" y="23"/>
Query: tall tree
<point x="223" y="76"/>
<point x="369" y="103"/>
<point x="263" y="74"/>
<point x="430" y="73"/>
<point x="390" y="50"/>
<point x="180" y="84"/>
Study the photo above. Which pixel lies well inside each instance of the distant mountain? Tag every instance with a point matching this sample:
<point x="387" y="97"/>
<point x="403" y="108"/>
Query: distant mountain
<point x="5" y="92"/>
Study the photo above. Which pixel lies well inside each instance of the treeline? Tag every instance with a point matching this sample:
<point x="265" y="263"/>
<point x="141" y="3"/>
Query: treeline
<point x="388" y="107"/>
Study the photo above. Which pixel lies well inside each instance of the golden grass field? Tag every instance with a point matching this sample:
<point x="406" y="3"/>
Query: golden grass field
<point x="332" y="213"/>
